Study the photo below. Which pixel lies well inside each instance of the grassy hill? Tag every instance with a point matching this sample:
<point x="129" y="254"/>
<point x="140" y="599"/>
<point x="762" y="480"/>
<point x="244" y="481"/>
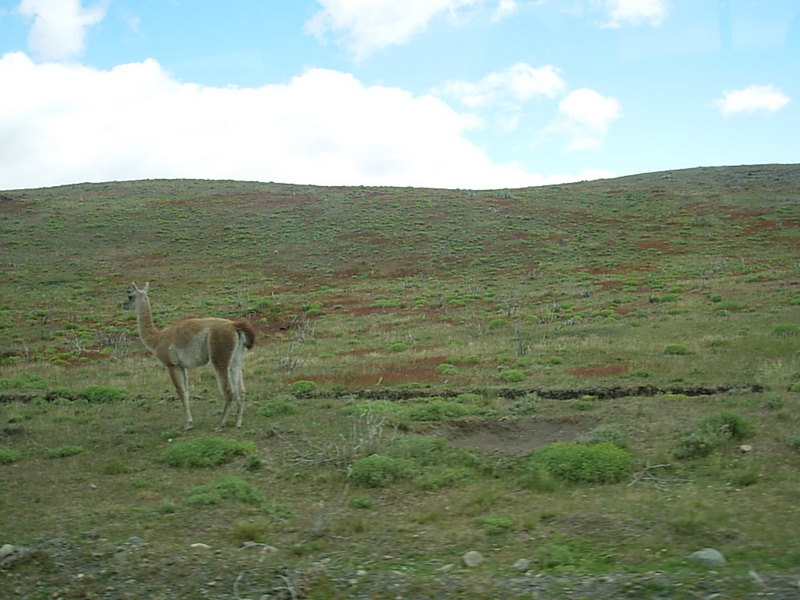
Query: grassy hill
<point x="455" y="335"/>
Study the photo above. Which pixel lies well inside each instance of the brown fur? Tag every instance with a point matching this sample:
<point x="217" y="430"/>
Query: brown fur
<point x="190" y="343"/>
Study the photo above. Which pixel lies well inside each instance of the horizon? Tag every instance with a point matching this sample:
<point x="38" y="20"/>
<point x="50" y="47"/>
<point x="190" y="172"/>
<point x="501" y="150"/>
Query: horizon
<point x="379" y="186"/>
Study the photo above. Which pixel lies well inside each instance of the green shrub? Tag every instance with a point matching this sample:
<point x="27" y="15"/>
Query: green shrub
<point x="64" y="451"/>
<point x="794" y="443"/>
<point x="712" y="432"/>
<point x="665" y="298"/>
<point x="101" y="394"/>
<point x="605" y="434"/>
<point x="786" y="330"/>
<point x="568" y="555"/>
<point x="676" y="350"/>
<point x="361" y="502"/>
<point x="227" y="487"/>
<point x="733" y="305"/>
<point x="303" y="388"/>
<point x="253" y="463"/>
<point x="526" y="405"/>
<point x="8" y="456"/>
<point x="437" y="409"/>
<point x="446" y="369"/>
<point x="580" y="463"/>
<point x="205" y="452"/>
<point x="381" y="471"/>
<point x="282" y="405"/>
<point x="511" y="375"/>
<point x="423" y="410"/>
<point x="418" y="448"/>
<point x="641" y="373"/>
<point x="251" y="530"/>
<point x="471" y="359"/>
<point x="26" y="381"/>
<point x="495" y="525"/>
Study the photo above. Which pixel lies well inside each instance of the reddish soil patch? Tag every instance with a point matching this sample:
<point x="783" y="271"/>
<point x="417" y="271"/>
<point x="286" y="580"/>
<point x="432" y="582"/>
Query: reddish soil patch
<point x="609" y="284"/>
<point x="361" y="311"/>
<point x="600" y="370"/>
<point x="515" y="436"/>
<point x="417" y="371"/>
<point x="654" y="244"/>
<point x="771" y="225"/>
<point x="366" y="236"/>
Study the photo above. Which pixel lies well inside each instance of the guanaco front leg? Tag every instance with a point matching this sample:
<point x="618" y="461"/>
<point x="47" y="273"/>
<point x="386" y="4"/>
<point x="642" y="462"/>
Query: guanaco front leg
<point x="180" y="379"/>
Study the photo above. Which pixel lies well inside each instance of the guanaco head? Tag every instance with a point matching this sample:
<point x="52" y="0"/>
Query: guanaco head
<point x="134" y="294"/>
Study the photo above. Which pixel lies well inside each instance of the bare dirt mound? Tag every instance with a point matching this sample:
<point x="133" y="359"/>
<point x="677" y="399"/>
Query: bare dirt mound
<point x="515" y="436"/>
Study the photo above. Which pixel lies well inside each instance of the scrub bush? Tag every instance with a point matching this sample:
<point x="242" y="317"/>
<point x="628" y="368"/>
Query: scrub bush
<point x="581" y="463"/>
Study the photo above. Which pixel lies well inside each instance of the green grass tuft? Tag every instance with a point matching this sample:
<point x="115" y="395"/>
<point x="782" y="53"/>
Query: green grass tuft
<point x="712" y="432"/>
<point x="205" y="452"/>
<point x="64" y="451"/>
<point x="8" y="456"/>
<point x="580" y="463"/>
<point x="378" y="471"/>
<point x="227" y="488"/>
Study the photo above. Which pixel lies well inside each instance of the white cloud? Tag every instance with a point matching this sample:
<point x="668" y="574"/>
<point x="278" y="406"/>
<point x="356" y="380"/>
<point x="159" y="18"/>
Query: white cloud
<point x="68" y="123"/>
<point x="505" y="8"/>
<point x="518" y="83"/>
<point x="635" y="12"/>
<point x="585" y="116"/>
<point x="59" y="26"/>
<point x="369" y="25"/>
<point x="754" y="98"/>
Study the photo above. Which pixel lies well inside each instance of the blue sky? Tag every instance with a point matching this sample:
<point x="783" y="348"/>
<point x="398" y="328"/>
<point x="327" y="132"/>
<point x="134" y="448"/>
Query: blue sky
<point x="436" y="93"/>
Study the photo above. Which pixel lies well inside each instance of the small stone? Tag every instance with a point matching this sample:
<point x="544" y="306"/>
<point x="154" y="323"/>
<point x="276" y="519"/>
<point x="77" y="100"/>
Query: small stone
<point x="446" y="568"/>
<point x="521" y="565"/>
<point x="472" y="558"/>
<point x="745" y="448"/>
<point x="708" y="557"/>
<point x="7" y="550"/>
<point x="200" y="546"/>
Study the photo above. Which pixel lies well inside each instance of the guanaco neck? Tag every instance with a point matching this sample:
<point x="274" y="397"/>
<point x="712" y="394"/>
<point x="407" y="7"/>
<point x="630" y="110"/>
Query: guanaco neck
<point x="144" y="318"/>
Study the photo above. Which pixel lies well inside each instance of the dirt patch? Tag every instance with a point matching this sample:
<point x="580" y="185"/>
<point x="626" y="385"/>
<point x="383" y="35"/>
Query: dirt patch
<point x="600" y="370"/>
<point x="515" y="436"/>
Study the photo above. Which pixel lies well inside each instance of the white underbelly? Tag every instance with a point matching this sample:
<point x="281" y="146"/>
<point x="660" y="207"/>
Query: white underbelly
<point x="194" y="356"/>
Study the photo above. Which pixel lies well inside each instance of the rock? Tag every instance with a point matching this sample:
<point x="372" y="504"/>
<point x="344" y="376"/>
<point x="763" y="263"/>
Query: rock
<point x="135" y="540"/>
<point x="708" y="557"/>
<point x="521" y="565"/>
<point x="472" y="558"/>
<point x="446" y="568"/>
<point x="745" y="448"/>
<point x="200" y="546"/>
<point x="7" y="550"/>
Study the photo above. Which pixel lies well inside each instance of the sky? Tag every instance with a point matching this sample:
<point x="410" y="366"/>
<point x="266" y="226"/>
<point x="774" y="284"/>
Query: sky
<point x="473" y="94"/>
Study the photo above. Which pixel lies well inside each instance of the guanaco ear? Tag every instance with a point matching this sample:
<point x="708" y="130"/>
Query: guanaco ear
<point x="146" y="287"/>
